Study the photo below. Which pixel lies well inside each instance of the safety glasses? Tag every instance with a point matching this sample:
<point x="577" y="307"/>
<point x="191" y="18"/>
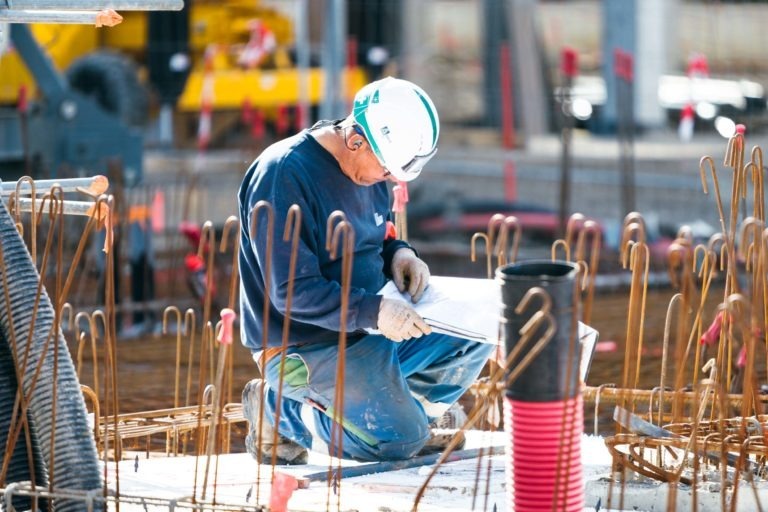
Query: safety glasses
<point x="411" y="169"/>
<point x="418" y="162"/>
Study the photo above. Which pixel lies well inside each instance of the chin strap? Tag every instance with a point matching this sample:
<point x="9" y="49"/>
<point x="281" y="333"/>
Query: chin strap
<point x="399" y="208"/>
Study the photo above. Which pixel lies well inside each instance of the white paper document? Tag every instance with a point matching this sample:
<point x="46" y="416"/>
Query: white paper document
<point x="470" y="308"/>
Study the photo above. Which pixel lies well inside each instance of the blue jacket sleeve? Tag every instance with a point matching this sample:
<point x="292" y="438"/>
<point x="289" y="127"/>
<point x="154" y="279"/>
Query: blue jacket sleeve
<point x="316" y="300"/>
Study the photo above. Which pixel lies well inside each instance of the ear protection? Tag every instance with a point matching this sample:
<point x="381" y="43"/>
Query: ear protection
<point x="357" y="144"/>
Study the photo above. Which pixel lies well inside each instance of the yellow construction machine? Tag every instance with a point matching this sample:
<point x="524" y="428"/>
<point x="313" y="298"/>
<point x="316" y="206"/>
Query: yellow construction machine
<point x="224" y="53"/>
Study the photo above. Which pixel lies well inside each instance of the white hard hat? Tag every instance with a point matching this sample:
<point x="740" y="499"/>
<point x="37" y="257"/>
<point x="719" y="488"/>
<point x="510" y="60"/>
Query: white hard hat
<point x="400" y="123"/>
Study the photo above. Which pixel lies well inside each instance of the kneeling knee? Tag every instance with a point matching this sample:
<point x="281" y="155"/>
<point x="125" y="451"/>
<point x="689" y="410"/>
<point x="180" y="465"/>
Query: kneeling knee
<point x="407" y="444"/>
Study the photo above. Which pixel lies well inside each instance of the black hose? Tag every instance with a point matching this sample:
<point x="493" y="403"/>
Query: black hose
<point x="544" y="380"/>
<point x="18" y="470"/>
<point x="76" y="465"/>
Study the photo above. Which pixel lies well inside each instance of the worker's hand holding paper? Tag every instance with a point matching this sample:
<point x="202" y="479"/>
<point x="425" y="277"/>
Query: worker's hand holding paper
<point x="468" y="308"/>
<point x="471" y="308"/>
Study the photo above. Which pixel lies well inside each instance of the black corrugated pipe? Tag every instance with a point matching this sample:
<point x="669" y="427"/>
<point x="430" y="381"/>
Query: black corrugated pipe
<point x="76" y="465"/>
<point x="18" y="470"/>
<point x="543" y="410"/>
<point x="545" y="378"/>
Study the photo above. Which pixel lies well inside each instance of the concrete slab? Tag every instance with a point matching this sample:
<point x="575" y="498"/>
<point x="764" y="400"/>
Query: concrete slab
<point x="463" y="485"/>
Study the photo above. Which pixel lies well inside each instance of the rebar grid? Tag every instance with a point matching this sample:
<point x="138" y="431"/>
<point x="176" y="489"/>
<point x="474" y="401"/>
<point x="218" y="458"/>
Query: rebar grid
<point x="92" y="499"/>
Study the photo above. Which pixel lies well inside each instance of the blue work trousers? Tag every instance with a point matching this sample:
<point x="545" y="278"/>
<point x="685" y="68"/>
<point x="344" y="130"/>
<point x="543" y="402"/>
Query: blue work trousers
<point x="391" y="392"/>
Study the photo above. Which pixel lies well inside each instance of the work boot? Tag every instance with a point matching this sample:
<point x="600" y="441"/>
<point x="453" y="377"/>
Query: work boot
<point x="287" y="451"/>
<point x="444" y="429"/>
<point x="454" y="417"/>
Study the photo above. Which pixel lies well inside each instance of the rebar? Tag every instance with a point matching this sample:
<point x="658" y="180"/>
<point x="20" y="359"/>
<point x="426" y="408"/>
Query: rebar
<point x="177" y="312"/>
<point x="703" y="173"/>
<point x="505" y="254"/>
<point x="680" y="268"/>
<point x="590" y="228"/>
<point x="566" y="249"/>
<point x="639" y="261"/>
<point x="207" y="249"/>
<point x="292" y="232"/>
<point x="758" y="179"/>
<point x="189" y="330"/>
<point x="488" y="255"/>
<point x="225" y="340"/>
<point x="33" y="207"/>
<point x="94" y="354"/>
<point x="575" y="221"/>
<point x="203" y="395"/>
<point x="268" y="232"/>
<point x="665" y="353"/>
<point x="232" y="224"/>
<point x="342" y="245"/>
<point x="91" y="500"/>
<point x="494" y="225"/>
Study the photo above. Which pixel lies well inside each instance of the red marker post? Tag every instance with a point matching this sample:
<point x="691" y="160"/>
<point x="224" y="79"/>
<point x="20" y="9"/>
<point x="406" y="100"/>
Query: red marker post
<point x="399" y="207"/>
<point x="507" y="98"/>
<point x="569" y="62"/>
<point x="623" y="68"/>
<point x="283" y="486"/>
<point x="568" y="68"/>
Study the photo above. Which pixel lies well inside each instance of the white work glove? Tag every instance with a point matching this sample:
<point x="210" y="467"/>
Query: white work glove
<point x="410" y="273"/>
<point x="398" y="321"/>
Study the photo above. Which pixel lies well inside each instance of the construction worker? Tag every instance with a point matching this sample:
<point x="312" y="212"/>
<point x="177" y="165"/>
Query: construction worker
<point x="397" y="383"/>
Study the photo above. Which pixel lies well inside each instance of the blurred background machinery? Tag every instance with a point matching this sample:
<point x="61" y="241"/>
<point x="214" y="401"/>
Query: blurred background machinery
<point x="162" y="87"/>
<point x="212" y="57"/>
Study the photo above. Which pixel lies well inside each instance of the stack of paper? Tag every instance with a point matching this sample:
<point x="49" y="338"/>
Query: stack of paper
<point x="471" y="308"/>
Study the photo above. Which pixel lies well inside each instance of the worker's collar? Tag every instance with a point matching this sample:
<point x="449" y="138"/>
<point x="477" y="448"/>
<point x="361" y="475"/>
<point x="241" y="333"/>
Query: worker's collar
<point x="325" y="132"/>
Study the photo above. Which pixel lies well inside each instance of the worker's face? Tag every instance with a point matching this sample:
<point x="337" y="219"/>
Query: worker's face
<point x="363" y="167"/>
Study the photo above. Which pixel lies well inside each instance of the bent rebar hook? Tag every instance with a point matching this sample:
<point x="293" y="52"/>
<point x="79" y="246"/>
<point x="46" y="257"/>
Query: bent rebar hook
<point x="291" y="232"/>
<point x="175" y="310"/>
<point x="343" y="229"/>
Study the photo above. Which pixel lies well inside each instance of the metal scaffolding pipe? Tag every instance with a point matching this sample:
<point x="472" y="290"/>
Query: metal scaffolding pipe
<point x="59" y="17"/>
<point x="643" y="396"/>
<point x="82" y="208"/>
<point x="94" y="185"/>
<point x="93" y="5"/>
